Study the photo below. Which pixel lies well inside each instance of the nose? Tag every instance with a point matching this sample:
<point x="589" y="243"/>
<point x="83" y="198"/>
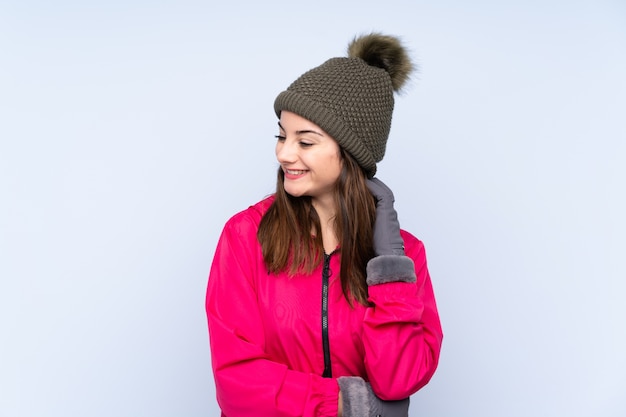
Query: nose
<point x="286" y="151"/>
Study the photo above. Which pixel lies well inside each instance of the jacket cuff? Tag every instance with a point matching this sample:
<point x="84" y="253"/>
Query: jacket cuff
<point x="390" y="268"/>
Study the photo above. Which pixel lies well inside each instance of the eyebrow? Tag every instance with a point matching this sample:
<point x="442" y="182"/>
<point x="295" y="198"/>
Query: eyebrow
<point x="299" y="132"/>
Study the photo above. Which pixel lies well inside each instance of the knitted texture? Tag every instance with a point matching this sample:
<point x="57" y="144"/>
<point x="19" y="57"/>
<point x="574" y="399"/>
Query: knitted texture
<point x="350" y="100"/>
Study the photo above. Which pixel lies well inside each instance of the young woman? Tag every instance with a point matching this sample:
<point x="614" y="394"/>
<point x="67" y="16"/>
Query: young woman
<point x="318" y="304"/>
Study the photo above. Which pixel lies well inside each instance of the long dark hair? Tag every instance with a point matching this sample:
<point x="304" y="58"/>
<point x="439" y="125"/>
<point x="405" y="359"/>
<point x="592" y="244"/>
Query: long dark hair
<point x="287" y="241"/>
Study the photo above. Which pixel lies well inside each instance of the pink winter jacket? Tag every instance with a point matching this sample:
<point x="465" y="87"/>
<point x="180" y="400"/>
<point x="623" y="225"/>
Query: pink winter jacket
<point x="267" y="345"/>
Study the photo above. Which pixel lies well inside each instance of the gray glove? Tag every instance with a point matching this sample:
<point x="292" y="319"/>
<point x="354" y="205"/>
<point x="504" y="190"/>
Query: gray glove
<point x="360" y="401"/>
<point x="390" y="264"/>
<point x="387" y="239"/>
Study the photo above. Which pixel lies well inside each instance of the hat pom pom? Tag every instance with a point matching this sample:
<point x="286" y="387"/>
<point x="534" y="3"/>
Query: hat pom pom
<point x="384" y="52"/>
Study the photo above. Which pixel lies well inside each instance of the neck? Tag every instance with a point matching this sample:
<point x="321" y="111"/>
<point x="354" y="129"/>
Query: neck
<point x="326" y="213"/>
<point x="325" y="208"/>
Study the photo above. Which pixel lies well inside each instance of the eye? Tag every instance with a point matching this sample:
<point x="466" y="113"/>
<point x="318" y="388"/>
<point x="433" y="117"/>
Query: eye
<point x="305" y="144"/>
<point x="280" y="138"/>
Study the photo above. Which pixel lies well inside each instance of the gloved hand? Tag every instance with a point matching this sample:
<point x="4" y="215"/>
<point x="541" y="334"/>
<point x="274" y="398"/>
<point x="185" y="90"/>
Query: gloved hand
<point x="390" y="264"/>
<point x="387" y="239"/>
<point x="360" y="401"/>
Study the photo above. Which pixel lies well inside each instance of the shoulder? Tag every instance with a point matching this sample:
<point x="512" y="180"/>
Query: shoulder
<point x="414" y="249"/>
<point x="412" y="245"/>
<point x="250" y="218"/>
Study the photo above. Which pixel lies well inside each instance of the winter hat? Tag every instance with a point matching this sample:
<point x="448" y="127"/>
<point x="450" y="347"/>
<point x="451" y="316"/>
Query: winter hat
<point x="352" y="98"/>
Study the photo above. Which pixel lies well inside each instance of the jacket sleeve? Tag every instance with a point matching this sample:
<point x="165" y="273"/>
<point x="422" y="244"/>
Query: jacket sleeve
<point x="402" y="333"/>
<point x="247" y="382"/>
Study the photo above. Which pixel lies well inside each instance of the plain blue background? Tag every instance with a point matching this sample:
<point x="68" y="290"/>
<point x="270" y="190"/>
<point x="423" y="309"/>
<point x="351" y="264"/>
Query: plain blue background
<point x="131" y="130"/>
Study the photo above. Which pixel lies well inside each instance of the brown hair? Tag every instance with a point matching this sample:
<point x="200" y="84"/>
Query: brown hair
<point x="288" y="244"/>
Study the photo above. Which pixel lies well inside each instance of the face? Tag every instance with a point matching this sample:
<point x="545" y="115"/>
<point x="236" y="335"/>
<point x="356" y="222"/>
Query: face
<point x="308" y="156"/>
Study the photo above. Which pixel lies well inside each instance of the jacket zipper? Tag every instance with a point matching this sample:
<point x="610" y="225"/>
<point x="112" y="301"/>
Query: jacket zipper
<point x="325" y="343"/>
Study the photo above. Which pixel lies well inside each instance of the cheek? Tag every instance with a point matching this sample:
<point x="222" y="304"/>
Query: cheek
<point x="338" y="162"/>
<point x="334" y="167"/>
<point x="277" y="149"/>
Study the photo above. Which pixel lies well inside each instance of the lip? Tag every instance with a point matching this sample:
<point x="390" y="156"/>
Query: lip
<point x="294" y="174"/>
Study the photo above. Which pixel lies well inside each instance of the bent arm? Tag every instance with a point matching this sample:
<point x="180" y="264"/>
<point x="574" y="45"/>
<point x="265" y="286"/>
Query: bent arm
<point x="402" y="332"/>
<point x="247" y="382"/>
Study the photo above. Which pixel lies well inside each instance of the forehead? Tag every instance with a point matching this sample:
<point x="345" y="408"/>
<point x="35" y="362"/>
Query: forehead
<point x="290" y="120"/>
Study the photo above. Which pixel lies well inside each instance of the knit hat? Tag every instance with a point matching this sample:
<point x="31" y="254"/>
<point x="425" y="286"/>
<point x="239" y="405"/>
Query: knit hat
<point x="352" y="98"/>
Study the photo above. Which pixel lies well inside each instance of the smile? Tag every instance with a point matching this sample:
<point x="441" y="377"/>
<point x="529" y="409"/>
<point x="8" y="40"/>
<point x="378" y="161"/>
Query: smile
<point x="295" y="171"/>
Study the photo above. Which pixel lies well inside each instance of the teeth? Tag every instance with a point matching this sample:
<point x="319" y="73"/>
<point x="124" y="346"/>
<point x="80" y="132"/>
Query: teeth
<point x="295" y="172"/>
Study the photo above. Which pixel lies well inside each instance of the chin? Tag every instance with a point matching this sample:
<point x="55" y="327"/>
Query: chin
<point x="294" y="192"/>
